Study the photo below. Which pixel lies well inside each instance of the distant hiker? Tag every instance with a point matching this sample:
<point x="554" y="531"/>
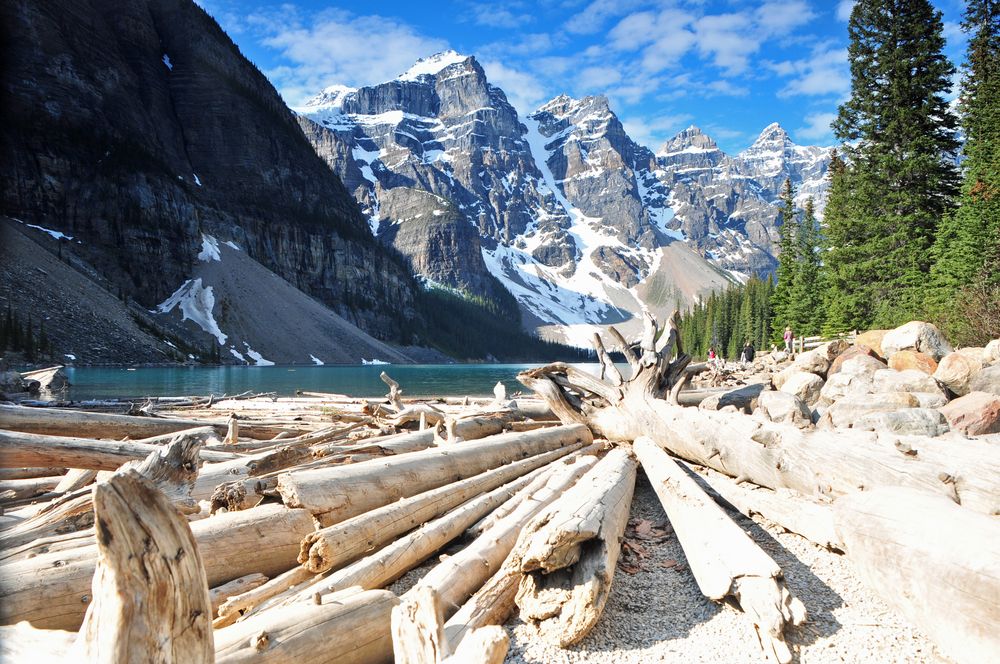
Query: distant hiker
<point x="789" y="338"/>
<point x="748" y="353"/>
<point x="711" y="353"/>
<point x="713" y="359"/>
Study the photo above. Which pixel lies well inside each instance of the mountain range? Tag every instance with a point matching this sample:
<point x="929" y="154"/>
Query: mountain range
<point x="584" y="226"/>
<point x="160" y="202"/>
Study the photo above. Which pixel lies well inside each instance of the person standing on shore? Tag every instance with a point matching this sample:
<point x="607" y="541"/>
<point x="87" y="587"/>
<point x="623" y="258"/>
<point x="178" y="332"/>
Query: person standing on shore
<point x="789" y="338"/>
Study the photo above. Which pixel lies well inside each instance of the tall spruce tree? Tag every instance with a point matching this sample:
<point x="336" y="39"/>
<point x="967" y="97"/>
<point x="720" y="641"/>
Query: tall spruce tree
<point x="806" y="310"/>
<point x="781" y="302"/>
<point x="966" y="251"/>
<point x="900" y="179"/>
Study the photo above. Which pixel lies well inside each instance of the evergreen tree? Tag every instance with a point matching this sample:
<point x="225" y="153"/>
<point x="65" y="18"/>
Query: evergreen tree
<point x="781" y="302"/>
<point x="900" y="178"/>
<point x="806" y="311"/>
<point x="964" y="252"/>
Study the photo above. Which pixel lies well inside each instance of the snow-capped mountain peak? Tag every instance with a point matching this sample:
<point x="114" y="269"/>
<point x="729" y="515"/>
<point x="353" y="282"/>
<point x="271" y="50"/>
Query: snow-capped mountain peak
<point x="690" y="140"/>
<point x="432" y="65"/>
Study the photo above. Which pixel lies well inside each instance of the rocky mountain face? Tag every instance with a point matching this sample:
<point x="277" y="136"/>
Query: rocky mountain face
<point x="138" y="128"/>
<point x="581" y="224"/>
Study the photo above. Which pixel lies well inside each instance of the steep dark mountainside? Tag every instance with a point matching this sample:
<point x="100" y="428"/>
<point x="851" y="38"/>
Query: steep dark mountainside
<point x="138" y="128"/>
<point x="584" y="226"/>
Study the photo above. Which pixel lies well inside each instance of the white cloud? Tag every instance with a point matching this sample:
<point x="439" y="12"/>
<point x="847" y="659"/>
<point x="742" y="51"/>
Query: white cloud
<point x="598" y="79"/>
<point x="726" y="88"/>
<point x="825" y="72"/>
<point x="844" y="8"/>
<point x="525" y="92"/>
<point x="491" y="16"/>
<point x="780" y="17"/>
<point x="653" y="133"/>
<point x="597" y="13"/>
<point x="817" y="127"/>
<point x="338" y="47"/>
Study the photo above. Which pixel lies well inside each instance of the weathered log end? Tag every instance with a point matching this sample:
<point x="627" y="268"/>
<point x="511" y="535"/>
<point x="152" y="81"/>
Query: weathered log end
<point x="150" y="590"/>
<point x="771" y="607"/>
<point x="418" y="628"/>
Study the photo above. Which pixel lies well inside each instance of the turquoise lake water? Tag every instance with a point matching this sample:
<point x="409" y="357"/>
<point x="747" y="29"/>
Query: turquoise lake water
<point x="356" y="381"/>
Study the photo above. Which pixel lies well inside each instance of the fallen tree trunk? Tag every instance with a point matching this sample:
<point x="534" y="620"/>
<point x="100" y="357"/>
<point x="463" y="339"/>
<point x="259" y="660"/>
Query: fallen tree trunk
<point x="418" y="635"/>
<point x="352" y="630"/>
<point x="571" y="549"/>
<point x="460" y="575"/>
<point x="936" y="563"/>
<point x="814" y="463"/>
<point x="150" y="594"/>
<point x="11" y="490"/>
<point x="264" y="539"/>
<point x="220" y="594"/>
<point x="724" y="560"/>
<point x="62" y="422"/>
<point x="348" y="540"/>
<point x="28" y="473"/>
<point x="338" y="493"/>
<point x="789" y="509"/>
<point x="25" y="449"/>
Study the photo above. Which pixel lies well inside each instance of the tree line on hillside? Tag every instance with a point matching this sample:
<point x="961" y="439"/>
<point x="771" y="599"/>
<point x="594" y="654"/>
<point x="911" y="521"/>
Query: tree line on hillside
<point x="912" y="223"/>
<point x="911" y="229"/>
<point x="23" y="336"/>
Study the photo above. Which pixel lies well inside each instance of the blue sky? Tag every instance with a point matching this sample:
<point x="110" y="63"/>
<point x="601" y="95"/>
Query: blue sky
<point x="729" y="66"/>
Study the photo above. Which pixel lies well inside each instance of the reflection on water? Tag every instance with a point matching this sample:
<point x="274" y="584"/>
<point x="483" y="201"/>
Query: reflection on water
<point x="355" y="381"/>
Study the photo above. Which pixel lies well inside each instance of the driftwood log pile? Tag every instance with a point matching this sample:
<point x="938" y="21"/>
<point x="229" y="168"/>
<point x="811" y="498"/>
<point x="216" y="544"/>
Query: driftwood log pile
<point x="197" y="538"/>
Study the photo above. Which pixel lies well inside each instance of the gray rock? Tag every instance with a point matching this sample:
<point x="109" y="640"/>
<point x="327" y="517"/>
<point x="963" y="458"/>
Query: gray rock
<point x="805" y="386"/>
<point x="814" y="361"/>
<point x="919" y="336"/>
<point x="849" y="409"/>
<point x="911" y="380"/>
<point x="843" y="384"/>
<point x="912" y="421"/>
<point x="986" y="380"/>
<point x="783" y="407"/>
<point x="991" y="354"/>
<point x="931" y="399"/>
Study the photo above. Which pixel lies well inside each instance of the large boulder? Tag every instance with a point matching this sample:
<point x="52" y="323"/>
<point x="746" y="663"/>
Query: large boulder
<point x="916" y="335"/>
<point x="977" y="353"/>
<point x="931" y="399"/>
<point x="784" y="407"/>
<point x="974" y="414"/>
<point x="910" y="359"/>
<point x="744" y="399"/>
<point x="957" y="369"/>
<point x="986" y="380"/>
<point x="991" y="354"/>
<point x="853" y="351"/>
<point x="804" y="385"/>
<point x="872" y="339"/>
<point x="862" y="365"/>
<point x="849" y="409"/>
<point x="909" y="422"/>
<point x="813" y="361"/>
<point x="832" y="349"/>
<point x="911" y="380"/>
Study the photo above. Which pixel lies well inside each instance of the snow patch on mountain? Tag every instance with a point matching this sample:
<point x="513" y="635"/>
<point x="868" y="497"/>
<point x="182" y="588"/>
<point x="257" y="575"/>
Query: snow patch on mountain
<point x="432" y="65"/>
<point x="196" y="303"/>
<point x="209" y="249"/>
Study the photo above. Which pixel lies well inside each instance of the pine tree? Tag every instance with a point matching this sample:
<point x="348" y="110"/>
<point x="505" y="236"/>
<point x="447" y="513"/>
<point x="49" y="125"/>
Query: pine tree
<point x="963" y="250"/>
<point x="781" y="302"/>
<point x="806" y="306"/>
<point x="900" y="178"/>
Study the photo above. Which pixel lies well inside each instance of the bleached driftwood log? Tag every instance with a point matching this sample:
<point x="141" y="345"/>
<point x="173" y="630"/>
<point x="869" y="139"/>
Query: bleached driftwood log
<point x="264" y="539"/>
<point x="76" y="478"/>
<point x="348" y="540"/>
<point x="820" y="463"/>
<point x="63" y="422"/>
<point x="458" y="576"/>
<point x="349" y="630"/>
<point x="937" y="563"/>
<point x="24" y="644"/>
<point x="571" y="549"/>
<point x="26" y="449"/>
<point x="789" y="509"/>
<point x="220" y="594"/>
<point x="171" y="469"/>
<point x="17" y="490"/>
<point x="150" y="595"/>
<point x="418" y="635"/>
<point x="391" y="562"/>
<point x="724" y="560"/>
<point x="338" y="493"/>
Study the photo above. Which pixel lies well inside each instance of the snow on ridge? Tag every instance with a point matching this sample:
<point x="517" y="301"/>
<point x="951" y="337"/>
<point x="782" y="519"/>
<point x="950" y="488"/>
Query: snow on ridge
<point x="54" y="234"/>
<point x="431" y="65"/>
<point x="196" y="303"/>
<point x="257" y="358"/>
<point x="315" y="360"/>
<point x="238" y="355"/>
<point x="209" y="249"/>
<point x="233" y="245"/>
<point x="166" y="61"/>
